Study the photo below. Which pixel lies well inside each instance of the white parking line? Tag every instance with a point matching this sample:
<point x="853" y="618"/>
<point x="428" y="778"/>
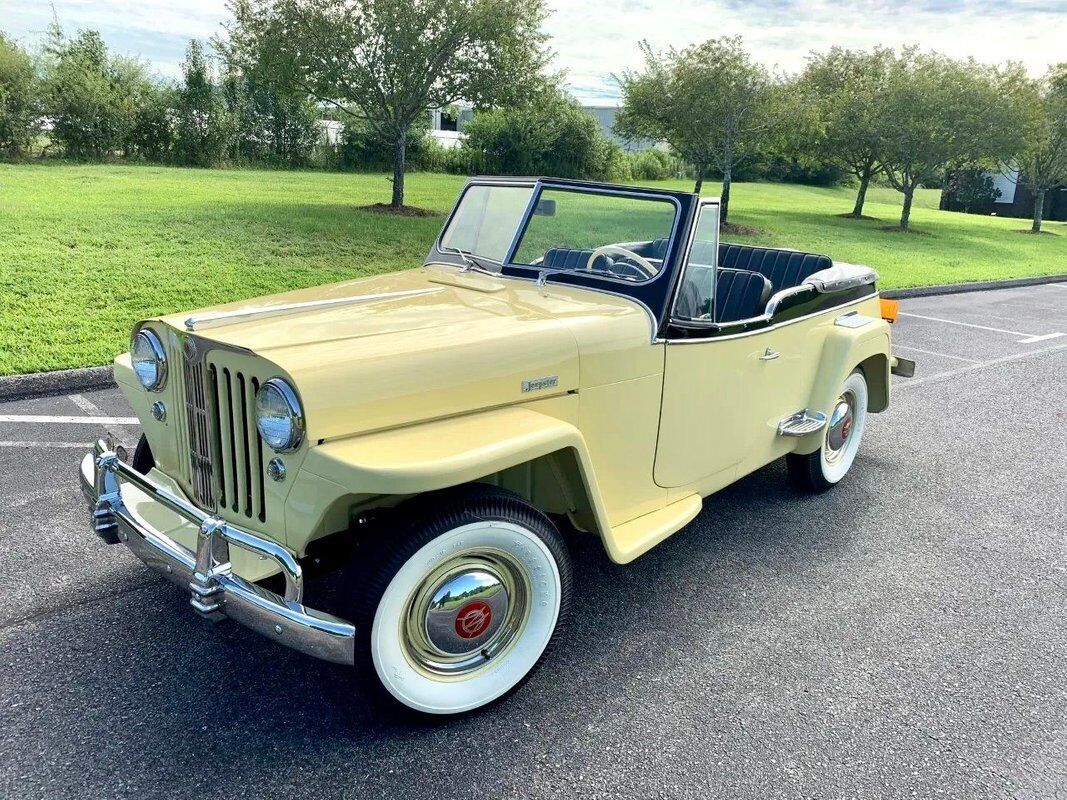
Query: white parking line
<point x="86" y="405"/>
<point x="932" y="353"/>
<point x="78" y="445"/>
<point x="1044" y="338"/>
<point x="69" y="420"/>
<point x="1057" y="285"/>
<point x="1030" y="337"/>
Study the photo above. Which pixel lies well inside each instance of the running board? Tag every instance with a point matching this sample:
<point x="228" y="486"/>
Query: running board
<point x="802" y="423"/>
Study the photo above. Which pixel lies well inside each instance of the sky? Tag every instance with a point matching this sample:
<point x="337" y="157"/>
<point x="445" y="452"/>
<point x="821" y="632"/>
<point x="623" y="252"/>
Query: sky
<point x="594" y="39"/>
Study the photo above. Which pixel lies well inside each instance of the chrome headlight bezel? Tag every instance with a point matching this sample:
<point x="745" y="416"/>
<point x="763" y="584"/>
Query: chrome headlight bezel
<point x="295" y="415"/>
<point x="159" y="356"/>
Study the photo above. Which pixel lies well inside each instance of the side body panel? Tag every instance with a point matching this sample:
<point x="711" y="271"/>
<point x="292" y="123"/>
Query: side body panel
<point x="724" y="397"/>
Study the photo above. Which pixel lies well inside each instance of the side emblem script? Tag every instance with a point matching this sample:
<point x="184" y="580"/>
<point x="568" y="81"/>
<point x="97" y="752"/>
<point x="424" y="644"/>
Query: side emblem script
<point x="537" y="384"/>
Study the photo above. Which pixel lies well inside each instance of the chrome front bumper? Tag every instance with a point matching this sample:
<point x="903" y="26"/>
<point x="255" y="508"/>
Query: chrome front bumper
<point x="207" y="573"/>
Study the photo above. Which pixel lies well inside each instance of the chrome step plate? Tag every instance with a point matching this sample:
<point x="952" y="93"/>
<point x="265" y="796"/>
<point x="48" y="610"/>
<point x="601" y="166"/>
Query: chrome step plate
<point x="802" y="423"/>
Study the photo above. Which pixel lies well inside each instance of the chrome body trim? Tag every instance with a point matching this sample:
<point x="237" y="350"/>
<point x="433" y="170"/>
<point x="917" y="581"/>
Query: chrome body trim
<point x="207" y="573"/>
<point x="840" y="277"/>
<point x="758" y="331"/>
<point x="245" y="314"/>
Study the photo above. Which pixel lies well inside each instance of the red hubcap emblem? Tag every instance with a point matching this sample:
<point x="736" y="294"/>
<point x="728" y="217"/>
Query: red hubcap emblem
<point x="473" y="619"/>
<point x="846" y="428"/>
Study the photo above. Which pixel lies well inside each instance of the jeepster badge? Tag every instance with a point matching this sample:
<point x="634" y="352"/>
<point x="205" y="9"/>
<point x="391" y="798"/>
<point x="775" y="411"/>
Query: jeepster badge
<point x="537" y="384"/>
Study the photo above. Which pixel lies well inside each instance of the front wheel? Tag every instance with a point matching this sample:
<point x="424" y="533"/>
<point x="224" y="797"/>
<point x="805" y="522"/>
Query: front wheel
<point x="824" y="469"/>
<point x="462" y="607"/>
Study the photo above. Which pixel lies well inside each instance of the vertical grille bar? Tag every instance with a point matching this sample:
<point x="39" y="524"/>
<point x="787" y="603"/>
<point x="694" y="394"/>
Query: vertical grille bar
<point x="255" y="460"/>
<point x="200" y="445"/>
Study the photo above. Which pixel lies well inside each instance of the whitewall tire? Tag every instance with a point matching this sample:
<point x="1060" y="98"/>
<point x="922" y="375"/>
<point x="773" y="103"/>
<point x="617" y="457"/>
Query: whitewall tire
<point x="466" y="605"/>
<point x="841" y="439"/>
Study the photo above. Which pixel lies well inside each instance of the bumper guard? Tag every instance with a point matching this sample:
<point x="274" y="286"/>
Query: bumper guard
<point x="207" y="573"/>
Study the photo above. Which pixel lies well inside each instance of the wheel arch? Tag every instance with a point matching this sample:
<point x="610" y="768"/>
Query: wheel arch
<point x="541" y="458"/>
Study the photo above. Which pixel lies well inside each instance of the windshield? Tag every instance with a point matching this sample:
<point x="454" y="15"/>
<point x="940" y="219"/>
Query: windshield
<point x="615" y="235"/>
<point x="619" y="236"/>
<point x="486" y="220"/>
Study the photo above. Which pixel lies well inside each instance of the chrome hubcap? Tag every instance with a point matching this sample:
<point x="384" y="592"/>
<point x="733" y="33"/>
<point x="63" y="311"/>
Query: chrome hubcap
<point x="465" y="613"/>
<point x="839" y="427"/>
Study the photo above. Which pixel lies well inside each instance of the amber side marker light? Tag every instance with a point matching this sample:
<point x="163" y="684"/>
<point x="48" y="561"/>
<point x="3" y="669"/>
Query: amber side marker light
<point x="890" y="309"/>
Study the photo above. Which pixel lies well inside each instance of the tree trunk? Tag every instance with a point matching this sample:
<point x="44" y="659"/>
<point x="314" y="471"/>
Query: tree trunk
<point x="1039" y="211"/>
<point x="724" y="207"/>
<point x="861" y="195"/>
<point x="905" y="214"/>
<point x="700" y="170"/>
<point x="399" y="156"/>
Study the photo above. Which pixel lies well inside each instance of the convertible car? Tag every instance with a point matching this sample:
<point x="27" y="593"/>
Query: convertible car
<point x="571" y="356"/>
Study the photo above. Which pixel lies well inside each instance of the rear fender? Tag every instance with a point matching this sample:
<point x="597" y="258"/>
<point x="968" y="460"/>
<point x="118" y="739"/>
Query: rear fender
<point x="844" y="350"/>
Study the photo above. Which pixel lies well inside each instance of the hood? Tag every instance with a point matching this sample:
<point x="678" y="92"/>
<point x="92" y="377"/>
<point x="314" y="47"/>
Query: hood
<point x="412" y="346"/>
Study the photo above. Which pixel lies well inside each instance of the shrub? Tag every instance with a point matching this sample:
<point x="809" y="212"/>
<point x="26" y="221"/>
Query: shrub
<point x="366" y="149"/>
<point x="969" y="189"/>
<point x="552" y="137"/>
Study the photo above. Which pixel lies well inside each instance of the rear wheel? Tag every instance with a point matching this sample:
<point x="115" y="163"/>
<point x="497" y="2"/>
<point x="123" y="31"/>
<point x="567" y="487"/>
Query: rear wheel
<point x="824" y="469"/>
<point x="463" y="606"/>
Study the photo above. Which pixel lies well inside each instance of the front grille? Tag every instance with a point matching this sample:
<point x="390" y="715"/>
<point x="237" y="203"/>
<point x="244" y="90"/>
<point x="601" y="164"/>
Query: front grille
<point x="225" y="453"/>
<point x="240" y="473"/>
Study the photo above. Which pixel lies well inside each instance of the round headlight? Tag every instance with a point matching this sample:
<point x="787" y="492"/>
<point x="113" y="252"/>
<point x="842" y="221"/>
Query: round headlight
<point x="149" y="360"/>
<point x="278" y="416"/>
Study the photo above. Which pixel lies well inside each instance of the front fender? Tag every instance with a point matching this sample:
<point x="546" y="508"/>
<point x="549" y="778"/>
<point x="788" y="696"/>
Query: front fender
<point x="436" y="455"/>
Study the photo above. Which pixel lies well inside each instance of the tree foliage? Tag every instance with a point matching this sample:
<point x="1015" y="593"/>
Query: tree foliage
<point x="712" y="103"/>
<point x="91" y="97"/>
<point x="206" y="124"/>
<point x="1042" y="157"/>
<point x="937" y="112"/>
<point x="847" y="88"/>
<point x="390" y="61"/>
<point x="19" y="99"/>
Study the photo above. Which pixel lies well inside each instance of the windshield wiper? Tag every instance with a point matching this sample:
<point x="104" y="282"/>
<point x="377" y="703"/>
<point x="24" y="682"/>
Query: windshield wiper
<point x="472" y="263"/>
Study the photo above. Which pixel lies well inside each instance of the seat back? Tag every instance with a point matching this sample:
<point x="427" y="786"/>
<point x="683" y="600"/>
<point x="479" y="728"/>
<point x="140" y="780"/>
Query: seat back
<point x="740" y="294"/>
<point x="783" y="268"/>
<point x="564" y="258"/>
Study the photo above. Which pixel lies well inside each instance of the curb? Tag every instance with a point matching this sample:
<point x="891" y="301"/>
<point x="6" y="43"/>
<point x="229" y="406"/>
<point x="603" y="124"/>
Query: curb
<point x="980" y="286"/>
<point x="43" y="384"/>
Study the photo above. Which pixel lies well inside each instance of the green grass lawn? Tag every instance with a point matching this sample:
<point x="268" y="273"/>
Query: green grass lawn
<point x="85" y="251"/>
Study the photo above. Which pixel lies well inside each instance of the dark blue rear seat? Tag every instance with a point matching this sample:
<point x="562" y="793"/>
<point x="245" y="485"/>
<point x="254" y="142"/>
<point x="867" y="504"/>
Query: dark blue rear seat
<point x="783" y="268"/>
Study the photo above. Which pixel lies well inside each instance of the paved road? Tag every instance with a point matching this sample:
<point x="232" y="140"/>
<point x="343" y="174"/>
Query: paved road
<point x="901" y="636"/>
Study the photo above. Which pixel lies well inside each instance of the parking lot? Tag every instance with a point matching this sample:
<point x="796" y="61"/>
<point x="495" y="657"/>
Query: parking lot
<point x="904" y="635"/>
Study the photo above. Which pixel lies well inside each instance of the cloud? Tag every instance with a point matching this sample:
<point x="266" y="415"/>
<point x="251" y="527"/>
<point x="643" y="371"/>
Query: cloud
<point x="595" y="38"/>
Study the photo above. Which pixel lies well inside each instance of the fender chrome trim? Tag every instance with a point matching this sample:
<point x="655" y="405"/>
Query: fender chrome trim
<point x="216" y="591"/>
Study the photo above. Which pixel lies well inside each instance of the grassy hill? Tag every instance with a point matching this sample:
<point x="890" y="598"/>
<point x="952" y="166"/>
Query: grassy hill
<point x="85" y="251"/>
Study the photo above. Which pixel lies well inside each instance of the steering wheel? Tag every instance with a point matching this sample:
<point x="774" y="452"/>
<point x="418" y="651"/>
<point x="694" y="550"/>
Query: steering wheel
<point x="639" y="264"/>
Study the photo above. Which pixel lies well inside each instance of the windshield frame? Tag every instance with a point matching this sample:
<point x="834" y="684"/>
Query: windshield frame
<point x="656" y="294"/>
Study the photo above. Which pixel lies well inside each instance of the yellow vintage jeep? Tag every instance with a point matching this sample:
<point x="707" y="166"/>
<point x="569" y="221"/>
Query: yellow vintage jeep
<point x="570" y="354"/>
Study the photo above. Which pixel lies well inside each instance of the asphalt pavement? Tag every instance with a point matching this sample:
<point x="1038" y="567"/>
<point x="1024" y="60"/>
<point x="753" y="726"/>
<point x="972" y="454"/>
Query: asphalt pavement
<point x="904" y="635"/>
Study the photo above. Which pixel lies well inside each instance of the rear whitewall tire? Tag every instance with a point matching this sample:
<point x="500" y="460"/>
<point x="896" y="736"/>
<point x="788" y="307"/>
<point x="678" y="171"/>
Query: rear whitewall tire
<point x="827" y="466"/>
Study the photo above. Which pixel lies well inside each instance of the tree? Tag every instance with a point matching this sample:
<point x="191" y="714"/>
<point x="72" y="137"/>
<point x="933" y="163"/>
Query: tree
<point x="91" y="97"/>
<point x="938" y="112"/>
<point x="205" y="123"/>
<point x="390" y="61"/>
<point x="847" y="87"/>
<point x="19" y="100"/>
<point x="1042" y="157"/>
<point x="711" y="103"/>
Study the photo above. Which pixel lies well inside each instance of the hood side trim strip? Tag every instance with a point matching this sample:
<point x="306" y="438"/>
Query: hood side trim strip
<point x="244" y="314"/>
